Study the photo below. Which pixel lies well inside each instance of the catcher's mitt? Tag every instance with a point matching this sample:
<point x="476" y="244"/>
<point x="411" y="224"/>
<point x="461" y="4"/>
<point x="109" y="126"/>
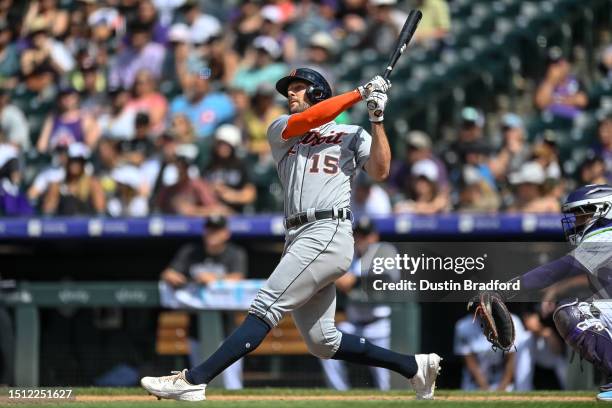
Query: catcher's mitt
<point x="496" y="321"/>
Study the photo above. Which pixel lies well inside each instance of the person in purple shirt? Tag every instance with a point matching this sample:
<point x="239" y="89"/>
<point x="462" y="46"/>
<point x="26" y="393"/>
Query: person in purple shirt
<point x="147" y="14"/>
<point x="140" y="53"/>
<point x="206" y="110"/>
<point x="13" y="200"/>
<point x="560" y="93"/>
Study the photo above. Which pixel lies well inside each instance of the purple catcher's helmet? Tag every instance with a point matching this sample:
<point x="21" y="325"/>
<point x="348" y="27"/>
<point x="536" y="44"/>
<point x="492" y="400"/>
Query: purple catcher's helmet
<point x="584" y="208"/>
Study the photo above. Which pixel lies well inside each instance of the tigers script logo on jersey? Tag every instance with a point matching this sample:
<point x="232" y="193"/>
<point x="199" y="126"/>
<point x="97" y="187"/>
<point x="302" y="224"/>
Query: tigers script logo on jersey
<point x="314" y="138"/>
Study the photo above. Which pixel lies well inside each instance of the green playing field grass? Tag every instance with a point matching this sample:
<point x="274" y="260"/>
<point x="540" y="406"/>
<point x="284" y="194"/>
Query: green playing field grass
<point x="316" y="398"/>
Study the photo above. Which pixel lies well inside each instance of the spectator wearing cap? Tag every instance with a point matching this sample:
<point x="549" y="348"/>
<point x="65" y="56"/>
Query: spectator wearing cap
<point x="261" y="113"/>
<point x="368" y="198"/>
<point x="141" y="53"/>
<point x="476" y="154"/>
<point x="604" y="145"/>
<point x="146" y="98"/>
<point x="435" y="23"/>
<point x="9" y="57"/>
<point x="45" y="51"/>
<point x="53" y="19"/>
<point x="201" y="25"/>
<point x="13" y="123"/>
<point x="593" y="171"/>
<point x="320" y="54"/>
<point x="418" y="147"/>
<point x="529" y="192"/>
<point x="79" y="193"/>
<point x="69" y="124"/>
<point x="190" y="195"/>
<point x="423" y="195"/>
<point x="13" y="200"/>
<point x="227" y="173"/>
<point x="206" y="110"/>
<point x="273" y="26"/>
<point x="128" y="200"/>
<point x="476" y="194"/>
<point x="514" y="151"/>
<point x="560" y="93"/>
<point x="472" y="125"/>
<point x="213" y="259"/>
<point x="264" y="67"/>
<point x="364" y="319"/>
<point x="471" y="130"/>
<point x="384" y="25"/>
<point x="104" y="22"/>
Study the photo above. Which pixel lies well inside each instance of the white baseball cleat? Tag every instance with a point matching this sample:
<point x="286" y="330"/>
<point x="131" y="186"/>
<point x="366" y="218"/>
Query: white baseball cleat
<point x="174" y="387"/>
<point x="424" y="381"/>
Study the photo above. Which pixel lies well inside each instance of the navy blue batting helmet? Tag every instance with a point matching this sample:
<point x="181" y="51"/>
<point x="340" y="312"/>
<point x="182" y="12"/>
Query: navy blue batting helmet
<point x="319" y="88"/>
<point x="585" y="208"/>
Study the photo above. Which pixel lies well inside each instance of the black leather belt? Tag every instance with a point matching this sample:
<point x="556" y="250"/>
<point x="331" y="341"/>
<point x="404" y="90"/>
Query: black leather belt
<point x="299" y="219"/>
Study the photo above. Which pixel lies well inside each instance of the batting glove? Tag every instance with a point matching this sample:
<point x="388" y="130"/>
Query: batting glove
<point x="377" y="83"/>
<point x="376" y="103"/>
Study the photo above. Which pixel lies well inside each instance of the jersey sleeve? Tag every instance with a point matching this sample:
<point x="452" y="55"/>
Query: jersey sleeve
<point x="278" y="145"/>
<point x="362" y="145"/>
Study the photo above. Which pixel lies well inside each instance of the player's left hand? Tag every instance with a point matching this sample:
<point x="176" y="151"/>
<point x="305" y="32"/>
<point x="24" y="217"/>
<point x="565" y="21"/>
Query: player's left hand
<point x="377" y="83"/>
<point x="376" y="103"/>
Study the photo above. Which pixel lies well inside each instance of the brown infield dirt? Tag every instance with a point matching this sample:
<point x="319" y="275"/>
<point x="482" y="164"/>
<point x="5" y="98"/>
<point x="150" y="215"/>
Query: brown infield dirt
<point x="475" y="398"/>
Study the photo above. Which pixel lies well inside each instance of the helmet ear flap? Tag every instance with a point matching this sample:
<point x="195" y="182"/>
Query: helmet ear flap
<point x="315" y="94"/>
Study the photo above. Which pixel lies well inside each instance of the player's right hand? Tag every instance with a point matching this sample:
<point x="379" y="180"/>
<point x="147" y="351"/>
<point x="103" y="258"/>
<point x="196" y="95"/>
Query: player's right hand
<point x="376" y="103"/>
<point x="377" y="83"/>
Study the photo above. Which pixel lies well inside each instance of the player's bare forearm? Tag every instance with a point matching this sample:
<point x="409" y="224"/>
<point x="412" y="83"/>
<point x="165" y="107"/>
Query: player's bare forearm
<point x="379" y="163"/>
<point x="508" y="372"/>
<point x="471" y="363"/>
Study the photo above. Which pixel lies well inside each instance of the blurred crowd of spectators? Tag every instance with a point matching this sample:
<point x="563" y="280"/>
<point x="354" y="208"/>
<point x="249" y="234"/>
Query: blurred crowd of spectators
<point x="127" y="108"/>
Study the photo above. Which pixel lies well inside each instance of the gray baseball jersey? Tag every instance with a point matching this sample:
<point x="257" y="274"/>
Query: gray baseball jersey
<point x="316" y="169"/>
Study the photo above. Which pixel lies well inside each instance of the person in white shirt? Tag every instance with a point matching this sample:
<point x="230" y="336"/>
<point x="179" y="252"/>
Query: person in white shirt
<point x="128" y="200"/>
<point x="484" y="368"/>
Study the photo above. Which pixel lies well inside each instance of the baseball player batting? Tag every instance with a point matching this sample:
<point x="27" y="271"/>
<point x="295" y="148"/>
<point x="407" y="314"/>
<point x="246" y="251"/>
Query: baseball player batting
<point x="316" y="160"/>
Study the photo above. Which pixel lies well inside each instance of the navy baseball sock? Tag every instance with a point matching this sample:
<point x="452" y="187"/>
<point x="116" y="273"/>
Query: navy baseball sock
<point x="358" y="350"/>
<point x="242" y="341"/>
